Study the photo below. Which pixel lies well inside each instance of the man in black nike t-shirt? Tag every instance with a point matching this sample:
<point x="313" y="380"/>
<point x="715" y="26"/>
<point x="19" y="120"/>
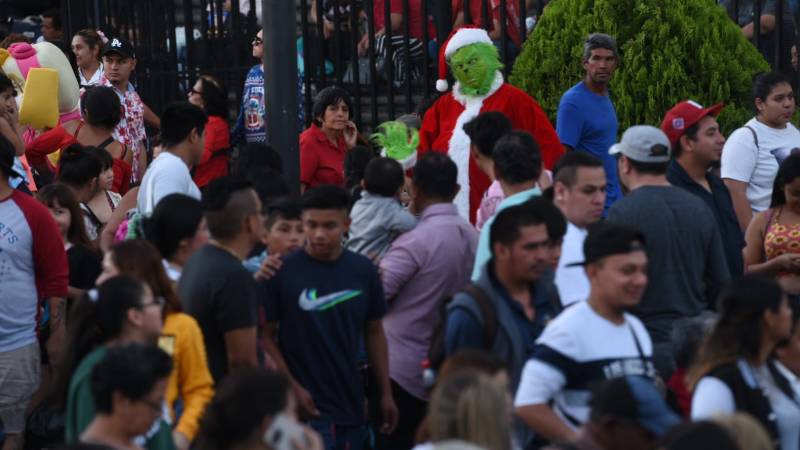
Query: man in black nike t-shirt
<point x="321" y="307"/>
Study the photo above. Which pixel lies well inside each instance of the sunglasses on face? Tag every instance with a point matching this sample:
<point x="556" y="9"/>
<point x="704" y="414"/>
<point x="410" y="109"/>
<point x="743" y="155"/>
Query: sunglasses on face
<point x="257" y="41"/>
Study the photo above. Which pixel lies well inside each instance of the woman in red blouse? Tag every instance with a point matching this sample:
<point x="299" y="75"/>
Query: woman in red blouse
<point x="209" y="94"/>
<point x="324" y="144"/>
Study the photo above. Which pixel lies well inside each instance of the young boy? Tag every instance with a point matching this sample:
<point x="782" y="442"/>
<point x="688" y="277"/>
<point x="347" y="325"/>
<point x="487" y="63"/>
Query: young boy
<point x="284" y="234"/>
<point x="378" y="217"/>
<point x="323" y="305"/>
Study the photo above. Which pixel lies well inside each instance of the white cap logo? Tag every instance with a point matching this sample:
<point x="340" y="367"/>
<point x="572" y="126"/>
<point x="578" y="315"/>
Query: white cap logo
<point x="695" y="104"/>
<point x="116" y="43"/>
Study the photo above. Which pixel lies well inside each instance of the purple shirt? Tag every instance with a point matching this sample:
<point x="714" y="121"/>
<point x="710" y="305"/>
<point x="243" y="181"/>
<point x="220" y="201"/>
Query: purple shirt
<point x="423" y="266"/>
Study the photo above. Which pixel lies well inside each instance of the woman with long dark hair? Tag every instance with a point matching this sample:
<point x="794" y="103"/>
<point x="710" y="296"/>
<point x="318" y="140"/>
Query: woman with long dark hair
<point x="181" y="337"/>
<point x="731" y="371"/>
<point x="773" y="237"/>
<point x="119" y="311"/>
<point x="210" y="95"/>
<point x="752" y="153"/>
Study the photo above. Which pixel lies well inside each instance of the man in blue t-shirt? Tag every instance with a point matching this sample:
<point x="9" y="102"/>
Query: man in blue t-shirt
<point x="322" y="306"/>
<point x="587" y="120"/>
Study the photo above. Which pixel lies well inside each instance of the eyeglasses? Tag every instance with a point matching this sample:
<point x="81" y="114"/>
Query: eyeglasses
<point x="158" y="301"/>
<point x="257" y="41"/>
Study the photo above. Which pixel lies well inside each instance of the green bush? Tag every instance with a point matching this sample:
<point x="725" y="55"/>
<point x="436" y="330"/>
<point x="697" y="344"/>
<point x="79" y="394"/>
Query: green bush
<point x="671" y="50"/>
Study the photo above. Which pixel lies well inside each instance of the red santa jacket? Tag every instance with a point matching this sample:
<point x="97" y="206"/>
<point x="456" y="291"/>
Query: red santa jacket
<point x="442" y="131"/>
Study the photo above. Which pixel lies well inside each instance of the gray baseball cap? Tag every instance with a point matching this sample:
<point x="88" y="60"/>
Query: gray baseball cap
<point x="643" y="143"/>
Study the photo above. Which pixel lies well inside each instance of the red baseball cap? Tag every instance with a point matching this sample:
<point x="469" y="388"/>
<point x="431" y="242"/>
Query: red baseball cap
<point x="683" y="115"/>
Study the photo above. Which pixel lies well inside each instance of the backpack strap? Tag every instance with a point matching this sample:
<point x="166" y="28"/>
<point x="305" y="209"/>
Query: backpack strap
<point x="488" y="313"/>
<point x="758" y="149"/>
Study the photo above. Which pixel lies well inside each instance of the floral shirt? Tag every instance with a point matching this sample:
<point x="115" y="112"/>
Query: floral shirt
<point x="130" y="130"/>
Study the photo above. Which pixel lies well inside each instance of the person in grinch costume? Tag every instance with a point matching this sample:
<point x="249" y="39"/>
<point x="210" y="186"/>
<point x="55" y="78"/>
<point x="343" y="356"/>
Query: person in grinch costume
<point x="479" y="87"/>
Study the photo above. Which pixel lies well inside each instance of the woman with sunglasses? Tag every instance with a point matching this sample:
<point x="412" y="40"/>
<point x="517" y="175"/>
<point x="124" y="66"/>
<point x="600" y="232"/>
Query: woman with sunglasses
<point x="121" y="310"/>
<point x="210" y="95"/>
<point x="180" y="337"/>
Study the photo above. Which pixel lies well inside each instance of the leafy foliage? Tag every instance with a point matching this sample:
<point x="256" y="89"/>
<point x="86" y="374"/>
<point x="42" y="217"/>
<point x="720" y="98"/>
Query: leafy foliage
<point x="671" y="50"/>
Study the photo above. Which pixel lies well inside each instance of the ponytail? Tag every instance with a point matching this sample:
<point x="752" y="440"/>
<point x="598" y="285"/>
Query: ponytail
<point x="96" y="318"/>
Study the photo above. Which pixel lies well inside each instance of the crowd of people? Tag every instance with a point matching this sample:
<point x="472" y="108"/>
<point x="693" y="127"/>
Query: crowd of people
<point x="511" y="285"/>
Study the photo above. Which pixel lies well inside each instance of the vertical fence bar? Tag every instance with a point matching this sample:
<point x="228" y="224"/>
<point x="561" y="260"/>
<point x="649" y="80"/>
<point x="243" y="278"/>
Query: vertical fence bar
<point x="757" y="24"/>
<point x="354" y="65"/>
<point x="444" y="22"/>
<point x="778" y="51"/>
<point x="408" y="61"/>
<point x="486" y="22"/>
<point x="504" y="37"/>
<point x="188" y="24"/>
<point x="466" y="9"/>
<point x="373" y="72"/>
<point x="278" y="19"/>
<point x="388" y="57"/>
<point x="522" y="13"/>
<point x="338" y="56"/>
<point x="426" y="78"/>
<point x="304" y="12"/>
<point x="321" y="39"/>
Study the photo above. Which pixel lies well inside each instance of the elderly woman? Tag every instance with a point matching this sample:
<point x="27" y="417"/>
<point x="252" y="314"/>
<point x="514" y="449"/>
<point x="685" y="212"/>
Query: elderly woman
<point x="324" y="144"/>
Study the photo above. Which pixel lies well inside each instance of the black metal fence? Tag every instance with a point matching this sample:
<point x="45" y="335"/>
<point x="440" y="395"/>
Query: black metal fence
<point x="340" y="42"/>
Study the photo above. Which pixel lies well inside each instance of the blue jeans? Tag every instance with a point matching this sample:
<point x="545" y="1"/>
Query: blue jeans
<point x="340" y="437"/>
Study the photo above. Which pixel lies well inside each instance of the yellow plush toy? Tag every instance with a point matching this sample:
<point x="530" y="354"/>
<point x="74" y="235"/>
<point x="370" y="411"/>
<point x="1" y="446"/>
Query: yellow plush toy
<point x="48" y="92"/>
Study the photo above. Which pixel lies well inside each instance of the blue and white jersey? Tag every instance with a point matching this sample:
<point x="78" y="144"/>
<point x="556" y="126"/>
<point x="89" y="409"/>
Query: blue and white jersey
<point x="577" y="349"/>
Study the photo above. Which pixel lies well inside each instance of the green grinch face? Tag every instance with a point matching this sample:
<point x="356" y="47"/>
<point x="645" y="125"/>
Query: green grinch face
<point x="474" y="66"/>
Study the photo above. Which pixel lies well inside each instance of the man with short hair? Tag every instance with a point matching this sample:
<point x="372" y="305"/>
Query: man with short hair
<point x="697" y="144"/>
<point x="182" y="138"/>
<point x="515" y="283"/>
<point x="422" y="267"/>
<point x="579" y="191"/>
<point x="322" y="307"/>
<point x="587" y="120"/>
<point x="627" y="413"/>
<point x="119" y="62"/>
<point x="215" y="287"/>
<point x="590" y="341"/>
<point x="683" y="240"/>
<point x="517" y="166"/>
<point x="33" y="269"/>
<point x="484" y="132"/>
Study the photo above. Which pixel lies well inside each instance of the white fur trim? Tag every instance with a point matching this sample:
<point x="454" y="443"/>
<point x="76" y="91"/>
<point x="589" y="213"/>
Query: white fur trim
<point x="458" y="147"/>
<point x="464" y="37"/>
<point x="463" y="99"/>
<point x="441" y="85"/>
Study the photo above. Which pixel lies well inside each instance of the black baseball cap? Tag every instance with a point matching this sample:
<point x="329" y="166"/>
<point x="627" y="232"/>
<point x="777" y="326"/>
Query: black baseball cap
<point x="119" y="46"/>
<point x="635" y="399"/>
<point x="607" y="239"/>
<point x="7" y="155"/>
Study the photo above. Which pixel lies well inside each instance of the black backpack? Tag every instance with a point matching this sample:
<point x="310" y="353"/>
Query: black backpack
<point x="436" y="351"/>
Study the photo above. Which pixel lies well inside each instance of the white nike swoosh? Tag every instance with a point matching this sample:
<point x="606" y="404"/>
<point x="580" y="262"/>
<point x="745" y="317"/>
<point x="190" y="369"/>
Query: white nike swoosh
<point x="310" y="302"/>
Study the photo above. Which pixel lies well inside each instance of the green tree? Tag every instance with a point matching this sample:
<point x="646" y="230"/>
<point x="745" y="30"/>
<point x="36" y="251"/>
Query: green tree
<point x="671" y="50"/>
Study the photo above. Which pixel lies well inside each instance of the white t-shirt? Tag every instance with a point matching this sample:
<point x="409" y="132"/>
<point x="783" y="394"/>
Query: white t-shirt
<point x="572" y="283"/>
<point x="757" y="166"/>
<point x="168" y="174"/>
<point x="578" y="348"/>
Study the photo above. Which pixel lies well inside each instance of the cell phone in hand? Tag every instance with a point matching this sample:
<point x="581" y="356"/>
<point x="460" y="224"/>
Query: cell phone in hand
<point x="283" y="431"/>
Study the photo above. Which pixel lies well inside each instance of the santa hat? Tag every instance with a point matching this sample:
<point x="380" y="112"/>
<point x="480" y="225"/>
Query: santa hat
<point x="462" y="37"/>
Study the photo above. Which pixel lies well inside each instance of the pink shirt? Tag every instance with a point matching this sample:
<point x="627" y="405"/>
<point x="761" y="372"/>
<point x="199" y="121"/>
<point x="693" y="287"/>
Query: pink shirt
<point x="493" y="196"/>
<point x="423" y="266"/>
<point x="130" y="129"/>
